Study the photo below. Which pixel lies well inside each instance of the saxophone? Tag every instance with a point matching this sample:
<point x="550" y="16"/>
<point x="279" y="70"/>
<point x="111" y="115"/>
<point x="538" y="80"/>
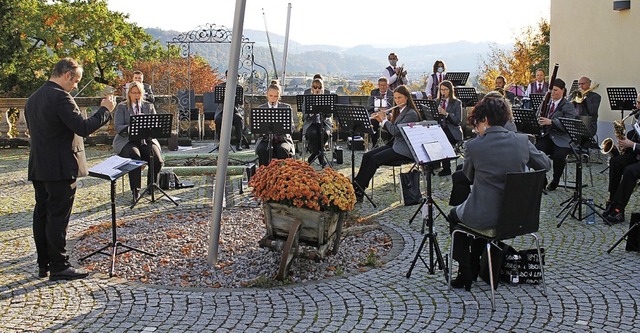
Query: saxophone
<point x="619" y="129"/>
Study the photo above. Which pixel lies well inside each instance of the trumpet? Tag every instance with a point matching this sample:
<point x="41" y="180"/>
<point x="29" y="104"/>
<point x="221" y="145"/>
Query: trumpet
<point x="578" y="96"/>
<point x="401" y="71"/>
<point x="607" y="146"/>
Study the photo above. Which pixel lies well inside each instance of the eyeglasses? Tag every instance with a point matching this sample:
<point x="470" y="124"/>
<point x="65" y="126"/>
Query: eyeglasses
<point x="314" y="87"/>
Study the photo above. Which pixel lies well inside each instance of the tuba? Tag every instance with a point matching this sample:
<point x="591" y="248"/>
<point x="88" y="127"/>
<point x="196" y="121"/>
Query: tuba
<point x="607" y="146"/>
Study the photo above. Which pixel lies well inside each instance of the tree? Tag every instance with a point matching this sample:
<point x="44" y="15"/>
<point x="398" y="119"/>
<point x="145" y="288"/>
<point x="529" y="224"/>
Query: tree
<point x="518" y="66"/>
<point x="101" y="40"/>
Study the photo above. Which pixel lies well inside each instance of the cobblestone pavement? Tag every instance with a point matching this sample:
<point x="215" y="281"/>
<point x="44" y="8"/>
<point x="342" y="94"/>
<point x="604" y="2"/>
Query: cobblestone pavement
<point x="588" y="289"/>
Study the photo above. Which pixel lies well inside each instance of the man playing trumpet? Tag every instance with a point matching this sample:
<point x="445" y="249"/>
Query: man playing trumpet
<point x="396" y="75"/>
<point x="624" y="172"/>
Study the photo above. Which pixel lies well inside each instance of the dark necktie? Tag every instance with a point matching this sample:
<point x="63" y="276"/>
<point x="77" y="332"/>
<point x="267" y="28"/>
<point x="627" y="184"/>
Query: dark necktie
<point x="539" y="87"/>
<point x="552" y="109"/>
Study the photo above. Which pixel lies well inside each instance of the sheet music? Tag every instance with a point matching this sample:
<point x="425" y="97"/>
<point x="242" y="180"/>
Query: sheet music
<point x="110" y="166"/>
<point x="429" y="143"/>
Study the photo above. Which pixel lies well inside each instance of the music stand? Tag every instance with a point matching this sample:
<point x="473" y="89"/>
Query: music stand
<point x="323" y="105"/>
<point x="112" y="174"/>
<point x="622" y="99"/>
<point x="148" y="127"/>
<point x="574" y="87"/>
<point x="219" y="92"/>
<point x="467" y="95"/>
<point x="457" y="78"/>
<point x="270" y="122"/>
<point x="580" y="137"/>
<point x="356" y="119"/>
<point x="428" y="143"/>
<point x="536" y="100"/>
<point x="526" y="121"/>
<point x="430" y="110"/>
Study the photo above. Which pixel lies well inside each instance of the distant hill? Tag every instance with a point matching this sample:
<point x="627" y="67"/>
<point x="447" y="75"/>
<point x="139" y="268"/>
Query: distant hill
<point x="334" y="60"/>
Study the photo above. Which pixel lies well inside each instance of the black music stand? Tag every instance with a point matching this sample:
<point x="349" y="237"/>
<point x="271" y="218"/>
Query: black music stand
<point x="467" y="95"/>
<point x="270" y="122"/>
<point x="622" y="99"/>
<point x="580" y="137"/>
<point x="526" y="121"/>
<point x="428" y="143"/>
<point x="457" y="78"/>
<point x="112" y="174"/>
<point x="574" y="87"/>
<point x="430" y="110"/>
<point x="323" y="105"/>
<point x="356" y="119"/>
<point x="148" y="127"/>
<point x="218" y="98"/>
<point x="536" y="100"/>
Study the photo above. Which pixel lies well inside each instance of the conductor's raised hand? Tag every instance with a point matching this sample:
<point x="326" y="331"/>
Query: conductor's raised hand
<point x="109" y="102"/>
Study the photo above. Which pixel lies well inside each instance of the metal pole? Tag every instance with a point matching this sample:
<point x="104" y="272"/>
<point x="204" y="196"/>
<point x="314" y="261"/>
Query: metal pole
<point x="225" y="133"/>
<point x="286" y="45"/>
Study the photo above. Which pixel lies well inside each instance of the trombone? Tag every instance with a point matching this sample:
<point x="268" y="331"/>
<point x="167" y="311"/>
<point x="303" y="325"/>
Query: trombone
<point x="578" y="96"/>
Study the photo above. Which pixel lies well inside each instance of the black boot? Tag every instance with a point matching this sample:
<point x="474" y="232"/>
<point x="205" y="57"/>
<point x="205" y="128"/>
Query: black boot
<point x="463" y="279"/>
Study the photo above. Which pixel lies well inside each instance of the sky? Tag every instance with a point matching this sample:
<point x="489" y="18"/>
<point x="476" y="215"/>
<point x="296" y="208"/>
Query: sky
<point x="349" y="23"/>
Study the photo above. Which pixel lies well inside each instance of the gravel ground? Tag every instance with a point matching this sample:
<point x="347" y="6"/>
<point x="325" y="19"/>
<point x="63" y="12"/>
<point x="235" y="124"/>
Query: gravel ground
<point x="180" y="242"/>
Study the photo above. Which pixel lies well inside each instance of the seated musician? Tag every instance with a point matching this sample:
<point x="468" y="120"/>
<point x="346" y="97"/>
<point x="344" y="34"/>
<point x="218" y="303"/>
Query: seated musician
<point x="588" y="104"/>
<point x="500" y="83"/>
<point x="136" y="149"/>
<point x="624" y="172"/>
<point x="460" y="184"/>
<point x="381" y="97"/>
<point x="238" y="120"/>
<point x="554" y="140"/>
<point x="487" y="160"/>
<point x="316" y="127"/>
<point x="404" y="111"/>
<point x="450" y="110"/>
<point x="282" y="145"/>
<point x="316" y="76"/>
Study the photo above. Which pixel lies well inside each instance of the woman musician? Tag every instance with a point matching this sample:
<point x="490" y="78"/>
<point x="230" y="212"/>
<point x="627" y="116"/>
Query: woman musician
<point x="450" y="109"/>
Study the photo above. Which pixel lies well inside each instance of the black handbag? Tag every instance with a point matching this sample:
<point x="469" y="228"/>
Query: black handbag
<point x="410" y="187"/>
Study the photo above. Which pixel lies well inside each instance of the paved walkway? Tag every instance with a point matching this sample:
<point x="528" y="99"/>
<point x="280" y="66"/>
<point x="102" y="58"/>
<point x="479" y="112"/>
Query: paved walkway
<point x="588" y="289"/>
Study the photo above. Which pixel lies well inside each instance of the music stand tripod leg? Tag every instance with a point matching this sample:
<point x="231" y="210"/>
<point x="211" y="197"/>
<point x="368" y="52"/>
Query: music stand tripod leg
<point x="626" y="234"/>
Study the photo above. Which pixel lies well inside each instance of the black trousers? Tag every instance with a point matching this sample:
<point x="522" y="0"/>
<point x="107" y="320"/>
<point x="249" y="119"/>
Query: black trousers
<point x="54" y="201"/>
<point x="373" y="159"/>
<point x="238" y="126"/>
<point x="557" y="154"/>
<point x="624" y="172"/>
<point x="466" y="250"/>
<point x="314" y="140"/>
<point x="281" y="150"/>
<point x="460" y="187"/>
<point x="137" y="151"/>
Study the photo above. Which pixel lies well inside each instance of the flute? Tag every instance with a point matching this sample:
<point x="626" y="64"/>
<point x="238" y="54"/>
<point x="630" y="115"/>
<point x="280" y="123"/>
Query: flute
<point x="388" y="111"/>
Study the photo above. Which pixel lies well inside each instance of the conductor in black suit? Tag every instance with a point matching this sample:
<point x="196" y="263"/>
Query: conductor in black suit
<point x="56" y="160"/>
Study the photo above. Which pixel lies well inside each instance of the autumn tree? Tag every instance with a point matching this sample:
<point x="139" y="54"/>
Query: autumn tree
<point x="101" y="40"/>
<point x="518" y="65"/>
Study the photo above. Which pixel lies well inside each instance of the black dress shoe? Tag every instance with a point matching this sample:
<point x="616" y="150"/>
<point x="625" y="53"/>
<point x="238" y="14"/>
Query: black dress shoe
<point x="615" y="216"/>
<point x="461" y="281"/>
<point x="239" y="148"/>
<point x="70" y="273"/>
<point x="43" y="271"/>
<point x="552" y="186"/>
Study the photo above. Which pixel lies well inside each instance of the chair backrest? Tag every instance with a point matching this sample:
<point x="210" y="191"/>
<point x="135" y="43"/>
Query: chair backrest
<point x="208" y="102"/>
<point x="521" y="204"/>
<point x="186" y="99"/>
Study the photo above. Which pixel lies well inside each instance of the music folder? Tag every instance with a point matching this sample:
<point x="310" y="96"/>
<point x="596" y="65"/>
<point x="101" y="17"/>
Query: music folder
<point x="427" y="142"/>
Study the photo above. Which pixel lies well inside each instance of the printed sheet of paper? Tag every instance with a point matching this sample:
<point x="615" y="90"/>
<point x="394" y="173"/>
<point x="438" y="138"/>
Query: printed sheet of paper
<point x="429" y="143"/>
<point x="110" y="166"/>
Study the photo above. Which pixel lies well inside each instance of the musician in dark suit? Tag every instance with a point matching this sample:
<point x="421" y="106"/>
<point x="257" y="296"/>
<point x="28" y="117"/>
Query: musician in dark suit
<point x="282" y="145"/>
<point x="56" y="160"/>
<point x="500" y="83"/>
<point x="138" y="76"/>
<point x="555" y="140"/>
<point x="624" y="172"/>
<point x="136" y="149"/>
<point x="487" y="159"/>
<point x="381" y="97"/>
<point x="395" y="150"/>
<point x="450" y="110"/>
<point x="238" y="119"/>
<point x="587" y="107"/>
<point x="316" y="127"/>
